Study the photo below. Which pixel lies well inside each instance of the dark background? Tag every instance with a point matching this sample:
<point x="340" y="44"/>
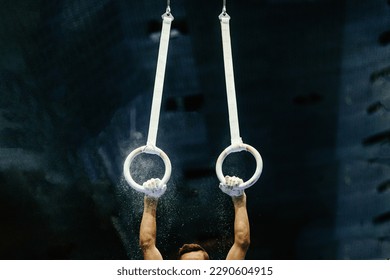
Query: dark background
<point x="313" y="93"/>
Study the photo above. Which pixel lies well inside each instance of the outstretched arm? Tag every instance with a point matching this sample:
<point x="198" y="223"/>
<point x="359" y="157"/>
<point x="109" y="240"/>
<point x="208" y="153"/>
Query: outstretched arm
<point x="241" y="229"/>
<point x="147" y="234"/>
<point x="241" y="221"/>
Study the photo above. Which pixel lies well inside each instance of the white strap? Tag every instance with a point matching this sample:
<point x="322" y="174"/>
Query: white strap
<point x="229" y="77"/>
<point x="159" y="79"/>
<point x="237" y="144"/>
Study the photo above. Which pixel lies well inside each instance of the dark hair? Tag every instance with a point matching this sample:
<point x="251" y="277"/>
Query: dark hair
<point x="186" y="248"/>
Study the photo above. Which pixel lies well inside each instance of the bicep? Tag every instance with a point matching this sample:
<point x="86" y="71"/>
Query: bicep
<point x="237" y="252"/>
<point x="152" y="253"/>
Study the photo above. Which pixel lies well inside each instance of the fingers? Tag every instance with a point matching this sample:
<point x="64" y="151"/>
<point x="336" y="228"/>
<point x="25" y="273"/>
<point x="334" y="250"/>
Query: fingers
<point x="154" y="188"/>
<point x="232" y="186"/>
<point x="152" y="183"/>
<point x="233" y="181"/>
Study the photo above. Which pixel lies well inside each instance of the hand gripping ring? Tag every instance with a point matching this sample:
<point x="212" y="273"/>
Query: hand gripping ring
<point x="235" y="149"/>
<point x="146" y="150"/>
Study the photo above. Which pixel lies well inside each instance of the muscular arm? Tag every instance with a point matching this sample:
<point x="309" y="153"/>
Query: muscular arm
<point x="147" y="234"/>
<point x="241" y="230"/>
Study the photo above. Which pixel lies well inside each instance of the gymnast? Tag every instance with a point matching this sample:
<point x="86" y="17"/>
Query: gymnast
<point x="147" y="236"/>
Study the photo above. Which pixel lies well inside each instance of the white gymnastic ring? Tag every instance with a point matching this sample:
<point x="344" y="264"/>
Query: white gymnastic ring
<point x="235" y="149"/>
<point x="146" y="150"/>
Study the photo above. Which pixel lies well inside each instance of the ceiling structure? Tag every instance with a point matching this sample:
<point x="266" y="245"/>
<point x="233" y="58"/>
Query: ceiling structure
<point x="312" y="82"/>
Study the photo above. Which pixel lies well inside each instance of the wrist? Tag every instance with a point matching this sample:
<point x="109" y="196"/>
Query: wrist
<point x="239" y="200"/>
<point x="150" y="201"/>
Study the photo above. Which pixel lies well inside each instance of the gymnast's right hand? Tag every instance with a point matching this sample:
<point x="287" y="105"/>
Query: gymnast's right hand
<point x="231" y="186"/>
<point x="154" y="188"/>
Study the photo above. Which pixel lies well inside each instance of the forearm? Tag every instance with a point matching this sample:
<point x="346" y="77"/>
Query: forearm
<point x="241" y="222"/>
<point x="241" y="230"/>
<point x="148" y="223"/>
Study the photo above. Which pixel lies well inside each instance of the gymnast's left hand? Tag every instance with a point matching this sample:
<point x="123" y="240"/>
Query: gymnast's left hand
<point x="154" y="188"/>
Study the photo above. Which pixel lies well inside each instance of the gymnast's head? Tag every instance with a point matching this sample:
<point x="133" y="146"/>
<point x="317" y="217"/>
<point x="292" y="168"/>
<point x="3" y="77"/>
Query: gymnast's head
<point x="193" y="252"/>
